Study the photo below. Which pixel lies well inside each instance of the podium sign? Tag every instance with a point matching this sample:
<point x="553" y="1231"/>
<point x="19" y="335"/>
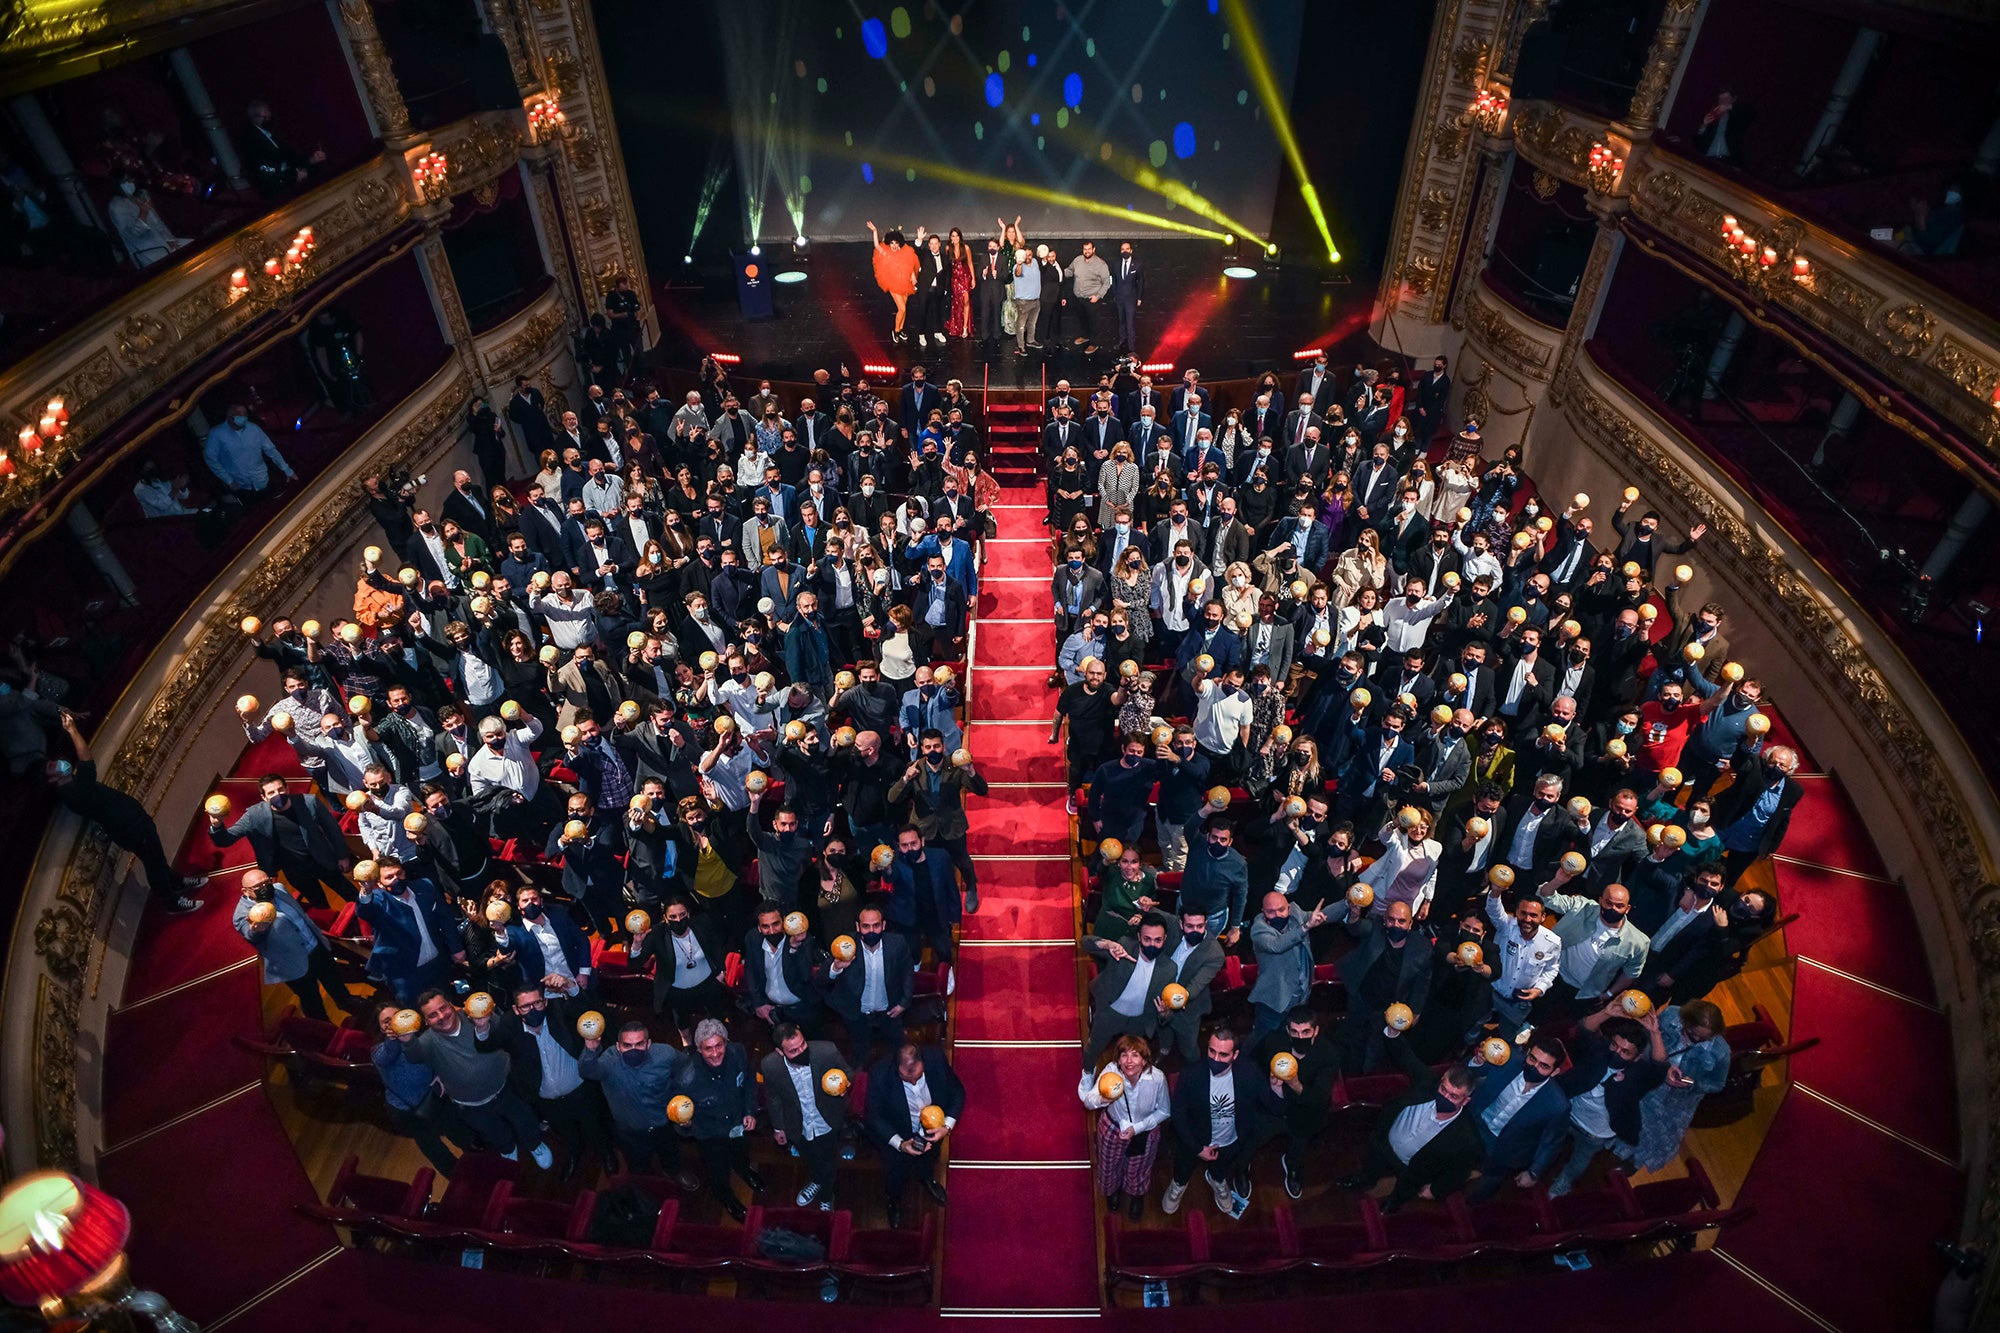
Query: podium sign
<point x="753" y="285"/>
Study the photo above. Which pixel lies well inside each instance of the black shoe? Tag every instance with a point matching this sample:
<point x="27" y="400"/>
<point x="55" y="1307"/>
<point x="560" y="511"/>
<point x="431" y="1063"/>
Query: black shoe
<point x="183" y="904"/>
<point x="1115" y="1202"/>
<point x="688" y="1181"/>
<point x="754" y="1181"/>
<point x="573" y="1168"/>
<point x="895" y="1217"/>
<point x="936" y="1191"/>
<point x="735" y="1209"/>
<point x="1135" y="1207"/>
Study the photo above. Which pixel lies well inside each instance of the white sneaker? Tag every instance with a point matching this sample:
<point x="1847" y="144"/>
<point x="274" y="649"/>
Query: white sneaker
<point x="805" y="1196"/>
<point x="1170" y="1202"/>
<point x="923" y="340"/>
<point x="1219" y="1188"/>
<point x="512" y="1154"/>
<point x="940" y="339"/>
<point x="543" y="1157"/>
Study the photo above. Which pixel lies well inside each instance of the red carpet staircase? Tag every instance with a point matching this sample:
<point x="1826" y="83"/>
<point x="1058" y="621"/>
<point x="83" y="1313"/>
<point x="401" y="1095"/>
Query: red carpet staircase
<point x="1020" y="1235"/>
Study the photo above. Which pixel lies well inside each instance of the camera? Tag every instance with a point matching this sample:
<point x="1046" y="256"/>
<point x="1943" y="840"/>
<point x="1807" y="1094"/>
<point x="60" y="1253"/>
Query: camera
<point x="399" y="483"/>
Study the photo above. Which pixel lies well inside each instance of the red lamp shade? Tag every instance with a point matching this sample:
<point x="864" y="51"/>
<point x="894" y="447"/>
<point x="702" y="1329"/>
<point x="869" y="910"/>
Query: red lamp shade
<point x="57" y="1234"/>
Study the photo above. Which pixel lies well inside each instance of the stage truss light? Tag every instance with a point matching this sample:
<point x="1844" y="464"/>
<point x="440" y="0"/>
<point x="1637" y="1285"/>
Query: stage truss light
<point x="795" y="267"/>
<point x="726" y="358"/>
<point x="1157" y="368"/>
<point x="1250" y="44"/>
<point x="1233" y="265"/>
<point x="1308" y="353"/>
<point x="872" y="368"/>
<point x="1273" y="257"/>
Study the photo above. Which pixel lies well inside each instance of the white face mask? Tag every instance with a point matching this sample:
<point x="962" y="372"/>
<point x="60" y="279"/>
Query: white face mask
<point x="127" y="187"/>
<point x="1238" y="581"/>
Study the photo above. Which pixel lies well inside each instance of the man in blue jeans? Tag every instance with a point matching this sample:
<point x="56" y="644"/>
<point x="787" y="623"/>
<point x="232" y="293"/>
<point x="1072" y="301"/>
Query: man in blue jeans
<point x="474" y="1080"/>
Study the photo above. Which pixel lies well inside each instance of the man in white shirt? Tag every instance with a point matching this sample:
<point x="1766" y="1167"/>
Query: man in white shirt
<point x="1222" y="722"/>
<point x="502" y="779"/>
<point x="1124" y="994"/>
<point x="1406" y="621"/>
<point x="1529" y="956"/>
<point x="900" y="1089"/>
<point x="1514" y="1103"/>
<point x="805" y="1114"/>
<point x="571" y="614"/>
<point x="381" y="815"/>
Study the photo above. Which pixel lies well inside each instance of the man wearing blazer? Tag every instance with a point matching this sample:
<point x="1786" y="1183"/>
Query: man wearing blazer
<point x="1386" y="966"/>
<point x="295" y="836"/>
<point x="1539" y="829"/>
<point x="1222" y="1111"/>
<point x="899" y="1089"/>
<point x="1128" y="291"/>
<point x="803" y="1114"/>
<point x="1754" y="812"/>
<point x="1196" y="957"/>
<point x="778" y="972"/>
<point x="1428" y="1138"/>
<point x="1514" y="1104"/>
<point x="416" y="939"/>
<point x="871" y="991"/>
<point x="1124" y="998"/>
<point x="538" y="1034"/>
<point x="936" y="788"/>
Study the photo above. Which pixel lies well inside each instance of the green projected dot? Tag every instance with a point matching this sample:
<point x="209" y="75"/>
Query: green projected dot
<point x="899" y="21"/>
<point x="1242" y="96"/>
<point x="850" y="138"/>
<point x="904" y="85"/>
<point x="909" y="173"/>
<point x="1090" y="47"/>
<point x="822" y="85"/>
<point x="1039" y="143"/>
<point x="1003" y="60"/>
<point x="930" y="86"/>
<point x="805" y="185"/>
<point x="979" y="129"/>
<point x="774" y="99"/>
<point x="1024" y="33"/>
<point x="1157" y="154"/>
<point x="837" y="34"/>
<point x="1163" y="94"/>
<point x="1225" y="41"/>
<point x="1062" y="118"/>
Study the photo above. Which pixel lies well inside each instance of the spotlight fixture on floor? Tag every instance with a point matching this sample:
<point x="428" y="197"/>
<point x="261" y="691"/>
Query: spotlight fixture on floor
<point x="1232" y="258"/>
<point x="1273" y="257"/>
<point x="794" y="269"/>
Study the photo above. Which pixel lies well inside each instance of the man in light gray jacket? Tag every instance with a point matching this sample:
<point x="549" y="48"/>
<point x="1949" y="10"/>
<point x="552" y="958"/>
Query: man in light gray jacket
<point x="293" y="950"/>
<point x="1284" y="961"/>
<point x="1091" y="278"/>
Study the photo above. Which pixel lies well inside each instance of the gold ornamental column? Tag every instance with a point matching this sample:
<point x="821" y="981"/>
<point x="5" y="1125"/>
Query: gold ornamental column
<point x="1663" y="66"/>
<point x="435" y="265"/>
<point x="374" y="73"/>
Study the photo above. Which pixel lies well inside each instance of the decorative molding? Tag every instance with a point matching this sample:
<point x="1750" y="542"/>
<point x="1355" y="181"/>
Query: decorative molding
<point x="1914" y="335"/>
<point x="1950" y="803"/>
<point x="1581" y="312"/>
<point x="1663" y="61"/>
<point x="481" y="148"/>
<point x="1513" y="339"/>
<point x="530" y="337"/>
<point x="377" y="75"/>
<point x="1557" y="140"/>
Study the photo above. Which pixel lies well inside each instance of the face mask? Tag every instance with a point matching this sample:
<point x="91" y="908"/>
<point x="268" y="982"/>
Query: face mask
<point x="532" y="911"/>
<point x="534" y="1018"/>
<point x="1216" y="1066"/>
<point x="1617" y="1061"/>
<point x="1532" y="1075"/>
<point x="870" y="938"/>
<point x="1396" y="934"/>
<point x="680" y="927"/>
<point x="935" y="759"/>
<point x="633" y="1058"/>
<point x="1218" y="850"/>
<point x="1076" y="562"/>
<point x="1671" y="705"/>
<point x="1444" y="1105"/>
<point x="239" y="421"/>
<point x="1611" y="917"/>
<point x="1149" y="951"/>
<point x="1183" y="561"/>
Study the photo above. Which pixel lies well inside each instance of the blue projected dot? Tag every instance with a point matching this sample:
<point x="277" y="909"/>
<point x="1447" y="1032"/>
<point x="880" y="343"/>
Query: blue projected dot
<point x="874" y="38"/>
<point x="1073" y="90"/>
<point x="1031" y="60"/>
<point x="996" y="90"/>
<point x="1035" y="118"/>
<point x="1184" y="144"/>
<point x="1214" y="6"/>
<point x="868" y="173"/>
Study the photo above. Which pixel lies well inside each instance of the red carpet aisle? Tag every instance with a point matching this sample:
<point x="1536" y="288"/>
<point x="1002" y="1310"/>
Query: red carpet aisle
<point x="1020" y="1234"/>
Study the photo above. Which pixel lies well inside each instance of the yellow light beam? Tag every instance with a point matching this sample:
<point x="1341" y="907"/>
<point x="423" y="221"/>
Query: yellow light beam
<point x="1001" y="185"/>
<point x="1250" y="43"/>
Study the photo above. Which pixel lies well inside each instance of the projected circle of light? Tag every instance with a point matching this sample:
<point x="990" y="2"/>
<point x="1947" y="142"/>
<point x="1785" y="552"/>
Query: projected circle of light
<point x="996" y="90"/>
<point x="874" y="38"/>
<point x="1239" y="271"/>
<point x="1184" y="142"/>
<point x="1073" y="91"/>
<point x="789" y="276"/>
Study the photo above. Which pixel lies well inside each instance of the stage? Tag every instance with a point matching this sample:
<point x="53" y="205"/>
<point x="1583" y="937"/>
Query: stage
<point x="1192" y="316"/>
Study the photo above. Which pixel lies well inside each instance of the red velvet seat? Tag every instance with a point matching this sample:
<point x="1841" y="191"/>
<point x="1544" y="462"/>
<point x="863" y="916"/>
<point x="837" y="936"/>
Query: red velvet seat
<point x="887" y="1254"/>
<point x="1253" y="1252"/>
<point x="1154" y="1254"/>
<point x="1427" y="1230"/>
<point x="380" y="1194"/>
<point x="1368" y="1089"/>
<point x="1666" y="1198"/>
<point x="1511" y="1222"/>
<point x="471" y="1189"/>
<point x="1344" y="1245"/>
<point x="545" y="1226"/>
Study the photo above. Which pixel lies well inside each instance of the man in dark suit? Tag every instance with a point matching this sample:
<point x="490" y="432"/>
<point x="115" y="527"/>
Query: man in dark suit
<point x="688" y="960"/>
<point x="1128" y="290"/>
<point x="1062" y="432"/>
<point x="1196" y="956"/>
<point x="1102" y="429"/>
<point x="1124" y="997"/>
<point x="405" y="957"/>
<point x="1222" y="1112"/>
<point x="1539" y="830"/>
<point x="538" y="1034"/>
<point x="530" y="414"/>
<point x="924" y="902"/>
<point x="1363" y="787"/>
<point x="1514" y="1105"/>
<point x="1376" y="484"/>
<point x="297" y="837"/>
<point x="804" y="1114"/>
<point x="1300" y="422"/>
<point x="778" y="971"/>
<point x="1315" y="379"/>
<point x="1386" y="966"/>
<point x="872" y="990"/>
<point x="471" y="511"/>
<point x="919" y="398"/>
<point x="1433" y="402"/>
<point x="1753" y="812"/>
<point x="935" y="787"/>
<point x="1400" y="675"/>
<point x="1310" y="459"/>
<point x="900" y="1090"/>
<point x="989" y="294"/>
<point x="1427" y="1138"/>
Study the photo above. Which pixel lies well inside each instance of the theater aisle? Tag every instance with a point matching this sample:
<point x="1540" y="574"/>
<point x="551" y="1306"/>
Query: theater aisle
<point x="1019" y="1235"/>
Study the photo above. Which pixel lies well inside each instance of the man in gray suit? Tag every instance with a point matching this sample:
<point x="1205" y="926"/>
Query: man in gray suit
<point x="804" y="1115"/>
<point x="292" y="835"/>
<point x="1284" y="962"/>
<point x="293" y="950"/>
<point x="1617" y="842"/>
<point x="1125" y="997"/>
<point x="1268" y="642"/>
<point x="1602" y="950"/>
<point x="1197" y="957"/>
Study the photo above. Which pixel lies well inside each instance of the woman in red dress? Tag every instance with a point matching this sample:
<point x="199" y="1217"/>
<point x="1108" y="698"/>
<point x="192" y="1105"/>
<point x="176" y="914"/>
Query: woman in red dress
<point x="959" y="256"/>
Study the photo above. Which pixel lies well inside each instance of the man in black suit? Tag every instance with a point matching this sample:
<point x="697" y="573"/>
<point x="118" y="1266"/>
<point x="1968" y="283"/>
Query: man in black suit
<point x="900" y="1090"/>
<point x="1102" y="430"/>
<point x="1299" y="421"/>
<point x="530" y="415"/>
<point x="1539" y="829"/>
<point x="1376" y="484"/>
<point x="538" y="1034"/>
<point x="1222" y="1112"/>
<point x="1062" y="432"/>
<point x="1128" y="289"/>
<point x="470" y="510"/>
<point x="919" y="398"/>
<point x="1433" y="401"/>
<point x="1310" y="459"/>
<point x="989" y="295"/>
<point x="1426" y="1138"/>
<point x="1753" y="813"/>
<point x="1315" y="379"/>
<point x="872" y="990"/>
<point x="1124" y="997"/>
<point x="1388" y="965"/>
<point x="804" y="1114"/>
<point x="778" y="971"/>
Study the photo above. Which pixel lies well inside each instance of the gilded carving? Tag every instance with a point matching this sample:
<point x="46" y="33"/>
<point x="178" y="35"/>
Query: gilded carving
<point x="1497" y="334"/>
<point x="371" y="61"/>
<point x="1552" y="141"/>
<point x="1434" y="210"/>
<point x="1905" y="329"/>
<point x="582" y="148"/>
<point x="1448" y="140"/>
<point x="501" y="18"/>
<point x="531" y="338"/>
<point x="596" y="217"/>
<point x="142" y="340"/>
<point x="482" y="152"/>
<point x="1468" y="60"/>
<point x="1963" y="367"/>
<point x="487" y="195"/>
<point x="1421" y="273"/>
<point x="1662" y="59"/>
<point x="1545" y="185"/>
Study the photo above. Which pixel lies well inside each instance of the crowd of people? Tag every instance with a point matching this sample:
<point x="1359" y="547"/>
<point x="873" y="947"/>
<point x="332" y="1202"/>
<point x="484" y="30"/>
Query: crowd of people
<point x="1343" y="697"/>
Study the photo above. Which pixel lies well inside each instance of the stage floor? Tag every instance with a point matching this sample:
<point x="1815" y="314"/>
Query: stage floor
<point x="1192" y="316"/>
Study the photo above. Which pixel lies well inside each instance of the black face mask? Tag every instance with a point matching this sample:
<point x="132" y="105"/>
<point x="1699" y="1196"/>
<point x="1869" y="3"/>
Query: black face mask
<point x="1194" y="937"/>
<point x="681" y="927"/>
<point x="803" y="1059"/>
<point x="1149" y="951"/>
<point x="534" y="1018"/>
<point x="1444" y="1105"/>
<point x="1396" y="934"/>
<point x="263" y="894"/>
<point x="1532" y="1075"/>
<point x="870" y="937"/>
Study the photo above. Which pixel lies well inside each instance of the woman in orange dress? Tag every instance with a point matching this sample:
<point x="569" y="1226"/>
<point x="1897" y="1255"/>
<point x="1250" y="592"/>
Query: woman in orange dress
<point x="959" y="255"/>
<point x="896" y="271"/>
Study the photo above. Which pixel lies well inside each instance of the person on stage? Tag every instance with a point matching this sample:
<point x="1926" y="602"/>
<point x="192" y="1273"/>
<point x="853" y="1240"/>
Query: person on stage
<point x="933" y="290"/>
<point x="958" y="256"/>
<point x="896" y="272"/>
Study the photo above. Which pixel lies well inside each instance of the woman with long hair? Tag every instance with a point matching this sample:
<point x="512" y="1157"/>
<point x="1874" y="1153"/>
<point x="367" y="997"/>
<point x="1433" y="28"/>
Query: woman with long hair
<point x="550" y="477"/>
<point x="1688" y="1040"/>
<point x="896" y="272"/>
<point x="958" y="255"/>
<point x="1360" y="566"/>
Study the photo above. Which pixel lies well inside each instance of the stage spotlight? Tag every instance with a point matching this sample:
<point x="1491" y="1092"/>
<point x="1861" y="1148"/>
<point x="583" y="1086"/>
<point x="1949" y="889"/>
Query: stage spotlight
<point x="687" y="259"/>
<point x="1232" y="259"/>
<point x="1273" y="259"/>
<point x="1250" y="46"/>
<point x="795" y="270"/>
<point x="757" y="250"/>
